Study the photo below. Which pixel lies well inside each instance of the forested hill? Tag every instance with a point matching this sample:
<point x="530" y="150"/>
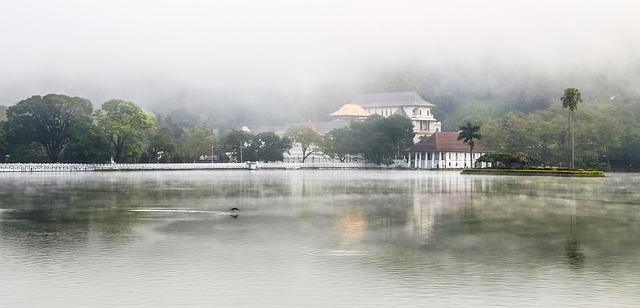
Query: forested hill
<point x="478" y="90"/>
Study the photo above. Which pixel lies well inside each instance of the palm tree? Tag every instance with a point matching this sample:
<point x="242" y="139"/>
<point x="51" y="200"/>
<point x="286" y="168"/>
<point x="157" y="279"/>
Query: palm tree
<point x="570" y="100"/>
<point x="468" y="134"/>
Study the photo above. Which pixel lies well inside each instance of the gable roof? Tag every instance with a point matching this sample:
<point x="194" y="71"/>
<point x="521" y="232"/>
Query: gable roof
<point x="392" y="99"/>
<point x="402" y="113"/>
<point x="445" y="142"/>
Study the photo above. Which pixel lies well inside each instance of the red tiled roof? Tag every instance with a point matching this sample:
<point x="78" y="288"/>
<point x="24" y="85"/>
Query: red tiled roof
<point x="445" y="142"/>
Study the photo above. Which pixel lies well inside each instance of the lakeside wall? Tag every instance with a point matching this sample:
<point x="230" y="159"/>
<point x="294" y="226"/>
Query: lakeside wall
<point x="45" y="167"/>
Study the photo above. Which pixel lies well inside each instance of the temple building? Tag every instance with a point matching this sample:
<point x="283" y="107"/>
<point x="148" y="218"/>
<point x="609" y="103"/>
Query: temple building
<point x="443" y="150"/>
<point x="406" y="104"/>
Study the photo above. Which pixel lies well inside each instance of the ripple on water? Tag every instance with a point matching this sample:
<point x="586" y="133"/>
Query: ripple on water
<point x="337" y="252"/>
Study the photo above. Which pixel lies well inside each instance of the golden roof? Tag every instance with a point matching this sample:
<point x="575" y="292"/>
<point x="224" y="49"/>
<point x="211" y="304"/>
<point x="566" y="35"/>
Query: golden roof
<point x="350" y="110"/>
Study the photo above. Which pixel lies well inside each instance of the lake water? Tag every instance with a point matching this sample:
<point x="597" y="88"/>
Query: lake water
<point x="318" y="238"/>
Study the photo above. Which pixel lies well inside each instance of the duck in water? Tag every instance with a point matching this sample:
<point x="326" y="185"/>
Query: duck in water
<point x="233" y="212"/>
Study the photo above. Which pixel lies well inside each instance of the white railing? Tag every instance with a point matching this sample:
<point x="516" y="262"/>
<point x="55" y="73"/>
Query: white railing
<point x="42" y="167"/>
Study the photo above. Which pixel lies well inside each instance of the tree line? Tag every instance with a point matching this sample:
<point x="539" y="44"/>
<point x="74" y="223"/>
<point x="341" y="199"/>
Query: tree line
<point x="60" y="128"/>
<point x="603" y="134"/>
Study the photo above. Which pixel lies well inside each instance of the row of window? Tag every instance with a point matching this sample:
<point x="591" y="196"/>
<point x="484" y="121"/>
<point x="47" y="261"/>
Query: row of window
<point x="388" y="111"/>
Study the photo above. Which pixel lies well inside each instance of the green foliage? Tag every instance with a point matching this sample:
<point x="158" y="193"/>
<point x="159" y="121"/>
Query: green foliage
<point x="508" y="160"/>
<point x="3" y="113"/>
<point x="89" y="144"/>
<point x="606" y="135"/>
<point x="377" y="139"/>
<point x="196" y="141"/>
<point x="160" y="144"/>
<point x="241" y="144"/>
<point x="469" y="133"/>
<point x="125" y="123"/>
<point x="345" y="141"/>
<point x="3" y="142"/>
<point x="570" y="100"/>
<point x="50" y="121"/>
<point x="270" y="147"/>
<point x="309" y="139"/>
<point x="27" y="153"/>
<point x="543" y="172"/>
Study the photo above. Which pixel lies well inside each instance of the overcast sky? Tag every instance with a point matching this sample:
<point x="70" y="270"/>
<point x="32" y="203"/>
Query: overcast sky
<point x="146" y="51"/>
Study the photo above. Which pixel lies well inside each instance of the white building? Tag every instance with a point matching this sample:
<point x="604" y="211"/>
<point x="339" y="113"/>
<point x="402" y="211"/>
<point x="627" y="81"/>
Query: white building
<point x="407" y="104"/>
<point x="443" y="150"/>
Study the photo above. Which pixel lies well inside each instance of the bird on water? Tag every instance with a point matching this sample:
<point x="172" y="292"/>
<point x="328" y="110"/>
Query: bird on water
<point x="234" y="209"/>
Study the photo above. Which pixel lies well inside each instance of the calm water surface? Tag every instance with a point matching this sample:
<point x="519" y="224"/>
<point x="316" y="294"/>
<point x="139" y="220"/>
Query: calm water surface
<point x="318" y="238"/>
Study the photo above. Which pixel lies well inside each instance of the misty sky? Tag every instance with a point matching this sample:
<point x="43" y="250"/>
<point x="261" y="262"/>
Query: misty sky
<point x="180" y="50"/>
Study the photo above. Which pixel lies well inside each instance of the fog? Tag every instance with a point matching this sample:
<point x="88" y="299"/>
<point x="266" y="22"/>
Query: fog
<point x="290" y="59"/>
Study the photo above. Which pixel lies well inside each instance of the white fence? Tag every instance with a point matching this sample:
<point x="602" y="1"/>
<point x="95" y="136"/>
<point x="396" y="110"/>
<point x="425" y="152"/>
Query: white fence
<point x="188" y="166"/>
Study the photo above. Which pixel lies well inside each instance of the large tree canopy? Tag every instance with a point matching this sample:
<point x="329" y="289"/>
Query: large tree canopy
<point x="377" y="139"/>
<point x="308" y="139"/>
<point x="50" y="121"/>
<point x="125" y="124"/>
<point x="270" y="147"/>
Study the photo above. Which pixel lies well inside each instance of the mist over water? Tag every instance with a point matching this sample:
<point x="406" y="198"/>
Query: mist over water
<point x="317" y="238"/>
<point x="292" y="58"/>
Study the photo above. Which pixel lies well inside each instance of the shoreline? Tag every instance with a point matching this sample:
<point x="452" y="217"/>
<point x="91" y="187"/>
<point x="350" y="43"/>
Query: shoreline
<point x="71" y="167"/>
<point x="537" y="172"/>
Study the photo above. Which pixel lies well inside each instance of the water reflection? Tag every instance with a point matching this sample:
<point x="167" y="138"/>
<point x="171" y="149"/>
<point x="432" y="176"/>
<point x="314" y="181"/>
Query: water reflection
<point x="336" y="237"/>
<point x="574" y="251"/>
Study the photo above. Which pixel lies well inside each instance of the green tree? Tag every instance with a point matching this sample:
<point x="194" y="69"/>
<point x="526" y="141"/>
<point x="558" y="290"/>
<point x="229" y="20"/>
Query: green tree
<point x="160" y="144"/>
<point x="27" y="152"/>
<point x="377" y="139"/>
<point x="196" y="141"/>
<point x="399" y="130"/>
<point x="570" y="100"/>
<point x="3" y="113"/>
<point x="125" y="123"/>
<point x="469" y="133"/>
<point x="308" y="139"/>
<point x="241" y="144"/>
<point x="344" y="142"/>
<point x="50" y="121"/>
<point x="270" y="147"/>
<point x="89" y="144"/>
<point x="3" y="143"/>
<point x="384" y="138"/>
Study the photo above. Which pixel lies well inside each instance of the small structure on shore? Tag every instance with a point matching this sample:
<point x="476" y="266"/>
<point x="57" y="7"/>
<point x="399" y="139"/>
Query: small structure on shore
<point x="443" y="150"/>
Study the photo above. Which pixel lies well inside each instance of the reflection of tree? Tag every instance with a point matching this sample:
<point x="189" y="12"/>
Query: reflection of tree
<point x="572" y="249"/>
<point x="574" y="253"/>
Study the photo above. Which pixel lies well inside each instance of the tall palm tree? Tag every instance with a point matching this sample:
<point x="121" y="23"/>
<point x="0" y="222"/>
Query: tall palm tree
<point x="469" y="134"/>
<point x="570" y="100"/>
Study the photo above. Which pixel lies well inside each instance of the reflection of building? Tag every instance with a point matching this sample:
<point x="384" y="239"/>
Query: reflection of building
<point x="443" y="150"/>
<point x="438" y="194"/>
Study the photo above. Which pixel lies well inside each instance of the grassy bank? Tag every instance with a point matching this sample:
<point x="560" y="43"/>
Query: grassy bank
<point x="536" y="172"/>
